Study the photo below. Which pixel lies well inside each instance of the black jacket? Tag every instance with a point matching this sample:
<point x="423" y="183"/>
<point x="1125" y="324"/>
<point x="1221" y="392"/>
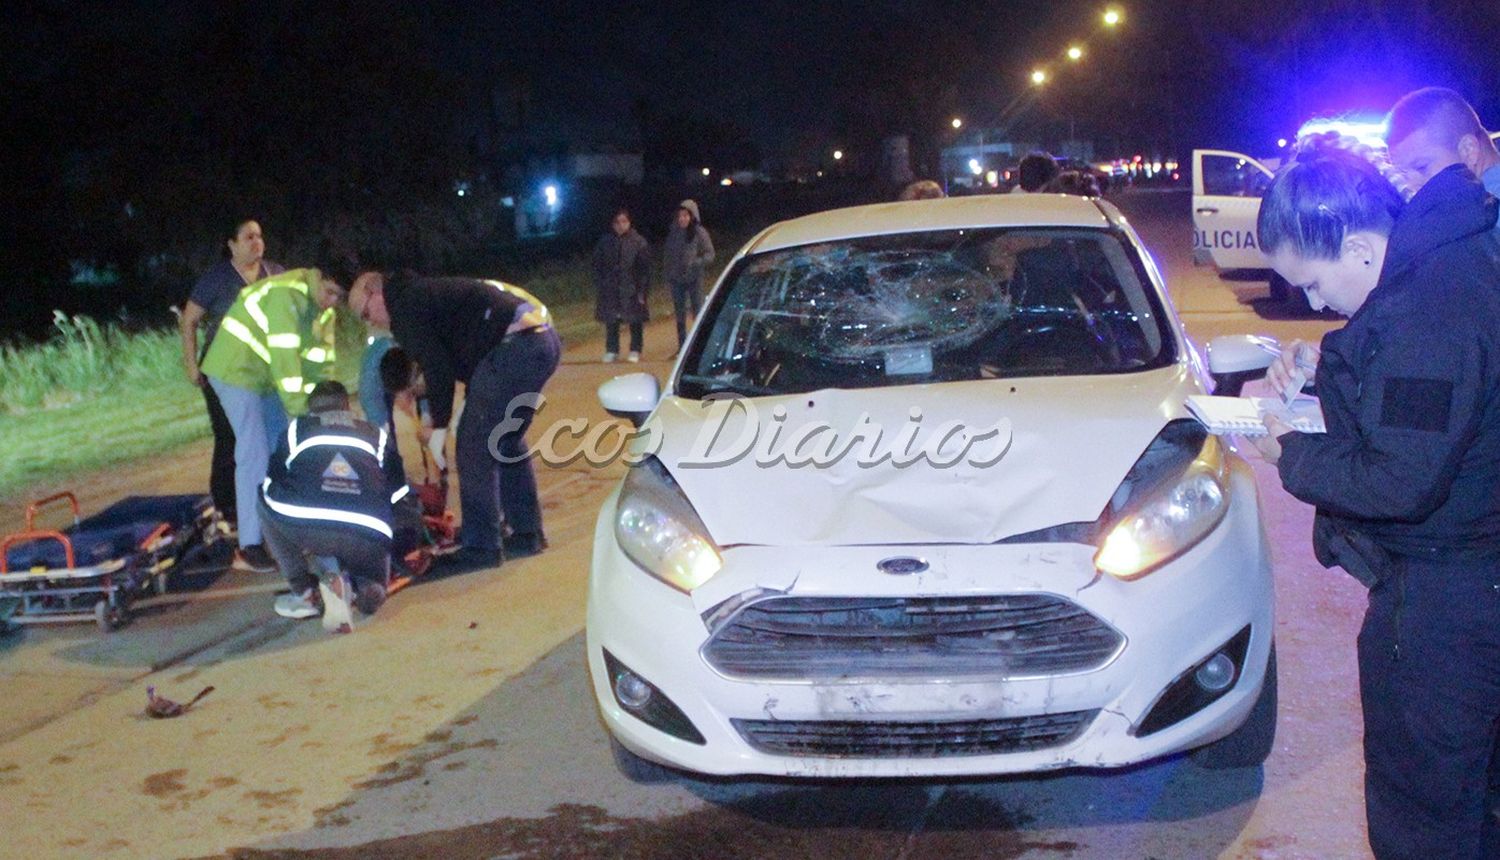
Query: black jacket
<point x="622" y="277"/>
<point x="448" y="325"/>
<point x="1410" y="388"/>
<point x="334" y="469"/>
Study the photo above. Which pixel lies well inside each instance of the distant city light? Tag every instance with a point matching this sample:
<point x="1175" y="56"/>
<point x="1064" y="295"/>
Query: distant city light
<point x="550" y="192"/>
<point x="838" y="155"/>
<point x="1281" y="143"/>
<point x="1038" y="77"/>
<point x="1112" y="17"/>
<point x="726" y="181"/>
<point x="1075" y="53"/>
<point x="705" y="171"/>
<point x="975" y="167"/>
<point x="958" y="123"/>
<point x="992" y="178"/>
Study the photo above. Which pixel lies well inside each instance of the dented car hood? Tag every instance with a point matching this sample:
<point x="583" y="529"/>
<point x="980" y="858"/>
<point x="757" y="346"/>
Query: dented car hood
<point x="1062" y="447"/>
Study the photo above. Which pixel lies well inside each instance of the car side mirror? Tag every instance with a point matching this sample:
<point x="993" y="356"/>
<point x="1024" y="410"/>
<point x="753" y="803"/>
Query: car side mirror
<point x="631" y="396"/>
<point x="1235" y="359"/>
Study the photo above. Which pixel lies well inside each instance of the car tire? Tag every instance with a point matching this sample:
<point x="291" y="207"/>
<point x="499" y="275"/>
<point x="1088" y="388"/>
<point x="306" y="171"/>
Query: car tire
<point x="641" y="771"/>
<point x="1250" y="744"/>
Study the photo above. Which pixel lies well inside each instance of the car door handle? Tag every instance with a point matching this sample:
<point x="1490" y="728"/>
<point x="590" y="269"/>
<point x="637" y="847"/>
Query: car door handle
<point x="1206" y="210"/>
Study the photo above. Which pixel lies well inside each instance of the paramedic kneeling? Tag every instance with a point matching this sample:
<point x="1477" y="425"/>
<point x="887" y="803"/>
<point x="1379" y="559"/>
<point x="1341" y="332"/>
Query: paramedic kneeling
<point x="326" y="503"/>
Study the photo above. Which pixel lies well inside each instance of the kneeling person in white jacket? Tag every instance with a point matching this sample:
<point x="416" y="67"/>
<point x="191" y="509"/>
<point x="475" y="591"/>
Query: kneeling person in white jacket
<point x="326" y="504"/>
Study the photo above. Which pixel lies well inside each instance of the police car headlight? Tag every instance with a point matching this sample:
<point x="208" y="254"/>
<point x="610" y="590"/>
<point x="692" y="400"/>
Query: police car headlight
<point x="1168" y="519"/>
<point x="658" y="529"/>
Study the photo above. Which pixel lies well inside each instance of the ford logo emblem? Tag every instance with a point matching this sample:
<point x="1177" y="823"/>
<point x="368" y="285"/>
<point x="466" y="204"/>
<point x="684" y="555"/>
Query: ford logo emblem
<point x="902" y="566"/>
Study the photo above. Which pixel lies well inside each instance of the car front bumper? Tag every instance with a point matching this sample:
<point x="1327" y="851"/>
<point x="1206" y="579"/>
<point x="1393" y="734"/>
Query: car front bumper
<point x="1169" y="620"/>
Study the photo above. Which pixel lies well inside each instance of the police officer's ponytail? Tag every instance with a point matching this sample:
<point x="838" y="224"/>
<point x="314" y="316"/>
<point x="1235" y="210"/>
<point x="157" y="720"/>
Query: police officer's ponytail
<point x="1326" y="192"/>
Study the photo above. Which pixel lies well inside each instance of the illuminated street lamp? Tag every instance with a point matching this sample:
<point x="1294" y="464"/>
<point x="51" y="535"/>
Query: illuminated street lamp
<point x="838" y="155"/>
<point x="1038" y="77"/>
<point x="957" y="123"/>
<point x="1112" y="17"/>
<point x="705" y="171"/>
<point x="1075" y="53"/>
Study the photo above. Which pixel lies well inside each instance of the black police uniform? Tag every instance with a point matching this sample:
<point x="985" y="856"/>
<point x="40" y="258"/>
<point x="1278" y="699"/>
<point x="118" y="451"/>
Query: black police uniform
<point x="1407" y="488"/>
<point x="328" y="492"/>
<point x="456" y="329"/>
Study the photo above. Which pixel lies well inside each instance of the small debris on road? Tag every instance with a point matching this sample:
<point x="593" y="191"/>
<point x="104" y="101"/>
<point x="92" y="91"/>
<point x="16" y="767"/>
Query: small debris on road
<point x="162" y="707"/>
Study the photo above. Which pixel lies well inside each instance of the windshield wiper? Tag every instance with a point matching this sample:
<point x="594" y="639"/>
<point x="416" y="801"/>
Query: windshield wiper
<point x="733" y="383"/>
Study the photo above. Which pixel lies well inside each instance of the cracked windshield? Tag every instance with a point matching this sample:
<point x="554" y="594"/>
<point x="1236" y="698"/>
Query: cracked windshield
<point x="937" y="306"/>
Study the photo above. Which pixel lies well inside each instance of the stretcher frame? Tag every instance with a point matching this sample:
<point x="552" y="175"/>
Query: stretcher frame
<point x="102" y="592"/>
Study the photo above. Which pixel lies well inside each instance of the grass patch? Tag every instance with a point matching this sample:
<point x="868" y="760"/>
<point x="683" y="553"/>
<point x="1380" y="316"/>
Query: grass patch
<point x="96" y="395"/>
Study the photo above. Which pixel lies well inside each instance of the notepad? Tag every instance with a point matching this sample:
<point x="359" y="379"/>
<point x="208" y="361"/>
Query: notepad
<point x="1242" y="415"/>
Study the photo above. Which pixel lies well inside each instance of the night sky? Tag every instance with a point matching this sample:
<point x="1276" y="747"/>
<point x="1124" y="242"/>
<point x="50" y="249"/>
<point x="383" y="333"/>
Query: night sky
<point x="130" y="119"/>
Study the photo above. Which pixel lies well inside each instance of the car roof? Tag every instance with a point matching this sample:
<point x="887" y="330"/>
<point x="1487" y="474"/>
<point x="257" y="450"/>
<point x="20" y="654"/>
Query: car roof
<point x="952" y="213"/>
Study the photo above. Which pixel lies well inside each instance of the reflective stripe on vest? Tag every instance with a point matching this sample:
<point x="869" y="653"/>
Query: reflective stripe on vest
<point x="400" y="494"/>
<point x="302" y="512"/>
<point x="292" y="385"/>
<point x="242" y="334"/>
<point x="336" y="442"/>
<point x="253" y="299"/>
<point x="316" y="354"/>
<point x="284" y="340"/>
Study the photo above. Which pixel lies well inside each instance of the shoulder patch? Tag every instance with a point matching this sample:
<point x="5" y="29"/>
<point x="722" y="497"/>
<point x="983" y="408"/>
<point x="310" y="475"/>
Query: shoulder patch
<point x="1417" y="404"/>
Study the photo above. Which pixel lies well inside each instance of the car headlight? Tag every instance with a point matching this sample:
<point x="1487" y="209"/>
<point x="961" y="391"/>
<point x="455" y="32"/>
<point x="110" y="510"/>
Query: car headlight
<point x="1169" y="518"/>
<point x="658" y="529"/>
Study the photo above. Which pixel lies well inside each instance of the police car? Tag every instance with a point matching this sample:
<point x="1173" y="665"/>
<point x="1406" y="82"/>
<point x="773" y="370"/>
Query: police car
<point x="1227" y="187"/>
<point x="921" y="498"/>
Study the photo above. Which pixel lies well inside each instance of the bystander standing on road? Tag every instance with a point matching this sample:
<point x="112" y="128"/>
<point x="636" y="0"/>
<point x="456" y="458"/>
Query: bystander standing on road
<point x="498" y="340"/>
<point x="1034" y="172"/>
<point x="274" y="344"/>
<point x="685" y="255"/>
<point x="326" y="502"/>
<point x="1403" y="481"/>
<point x="622" y="281"/>
<point x="921" y="189"/>
<point x="1432" y="129"/>
<point x="244" y="263"/>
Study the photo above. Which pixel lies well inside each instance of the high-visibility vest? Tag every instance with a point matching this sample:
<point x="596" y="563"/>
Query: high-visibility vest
<point x="274" y="338"/>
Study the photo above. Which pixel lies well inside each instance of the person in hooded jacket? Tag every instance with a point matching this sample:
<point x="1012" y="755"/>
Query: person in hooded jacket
<point x="1404" y="480"/>
<point x="622" y="281"/>
<point x="687" y="252"/>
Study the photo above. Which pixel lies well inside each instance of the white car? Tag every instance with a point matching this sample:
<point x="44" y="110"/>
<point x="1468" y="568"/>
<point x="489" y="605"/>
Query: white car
<point x="1076" y="576"/>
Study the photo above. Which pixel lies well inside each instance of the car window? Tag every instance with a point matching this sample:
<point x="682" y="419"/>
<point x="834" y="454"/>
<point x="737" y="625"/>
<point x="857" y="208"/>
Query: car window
<point x="1231" y="176"/>
<point x="933" y="306"/>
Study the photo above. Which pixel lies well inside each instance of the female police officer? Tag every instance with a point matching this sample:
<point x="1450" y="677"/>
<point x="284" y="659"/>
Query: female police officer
<point x="1405" y="481"/>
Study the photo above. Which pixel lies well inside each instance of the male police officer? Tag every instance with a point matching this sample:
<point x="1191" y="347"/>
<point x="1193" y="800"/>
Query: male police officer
<point x="274" y="344"/>
<point x="498" y="340"/>
<point x="1432" y="129"/>
<point x="328" y="494"/>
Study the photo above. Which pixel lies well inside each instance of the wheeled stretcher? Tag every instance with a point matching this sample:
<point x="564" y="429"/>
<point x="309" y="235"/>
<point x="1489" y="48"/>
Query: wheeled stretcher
<point x="96" y="568"/>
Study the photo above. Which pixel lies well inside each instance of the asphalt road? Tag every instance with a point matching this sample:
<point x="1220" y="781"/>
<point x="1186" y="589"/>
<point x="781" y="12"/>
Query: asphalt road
<point x="459" y="723"/>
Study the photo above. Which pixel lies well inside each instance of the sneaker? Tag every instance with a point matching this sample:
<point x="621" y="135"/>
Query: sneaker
<point x="633" y="358"/>
<point x="369" y="596"/>
<point x="466" y="559"/>
<point x="609" y="358"/>
<point x="253" y="559"/>
<point x="524" y="545"/>
<point x="304" y="605"/>
<point x="337" y="592"/>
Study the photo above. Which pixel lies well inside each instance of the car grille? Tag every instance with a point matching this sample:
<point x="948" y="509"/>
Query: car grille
<point x="859" y="638"/>
<point x="870" y="739"/>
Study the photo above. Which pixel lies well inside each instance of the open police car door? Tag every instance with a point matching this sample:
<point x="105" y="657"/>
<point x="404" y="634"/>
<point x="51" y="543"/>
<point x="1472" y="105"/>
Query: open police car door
<point x="1227" y="187"/>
